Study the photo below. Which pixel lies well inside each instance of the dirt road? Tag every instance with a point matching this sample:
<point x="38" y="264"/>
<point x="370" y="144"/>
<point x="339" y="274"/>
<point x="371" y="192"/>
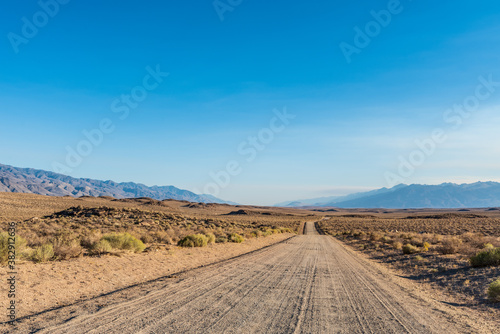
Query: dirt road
<point x="309" y="284"/>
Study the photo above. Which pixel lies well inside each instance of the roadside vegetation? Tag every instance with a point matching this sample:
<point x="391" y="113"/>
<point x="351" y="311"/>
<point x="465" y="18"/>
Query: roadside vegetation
<point x="82" y="231"/>
<point x="460" y="253"/>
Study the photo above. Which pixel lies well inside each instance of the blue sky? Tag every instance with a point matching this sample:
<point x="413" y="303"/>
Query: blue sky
<point x="353" y="123"/>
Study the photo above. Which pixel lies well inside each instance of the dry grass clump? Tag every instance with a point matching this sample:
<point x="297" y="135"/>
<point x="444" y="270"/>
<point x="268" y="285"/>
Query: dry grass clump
<point x="410" y="249"/>
<point x="100" y="247"/>
<point x="210" y="238"/>
<point x="43" y="253"/>
<point x="124" y="241"/>
<point x="450" y="246"/>
<point x="193" y="240"/>
<point x="489" y="257"/>
<point x="19" y="247"/>
<point x="494" y="291"/>
<point x="397" y="245"/>
<point x="66" y="245"/>
<point x="235" y="237"/>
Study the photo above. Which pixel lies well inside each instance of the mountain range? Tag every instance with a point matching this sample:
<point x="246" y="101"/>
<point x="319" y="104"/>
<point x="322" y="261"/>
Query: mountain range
<point x="34" y="181"/>
<point x="446" y="195"/>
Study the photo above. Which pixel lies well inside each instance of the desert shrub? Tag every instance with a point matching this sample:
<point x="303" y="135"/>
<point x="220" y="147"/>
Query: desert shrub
<point x="193" y="240"/>
<point x="20" y="247"/>
<point x="397" y="245"/>
<point x="124" y="241"/>
<point x="147" y="239"/>
<point x="450" y="246"/>
<point x="221" y="239"/>
<point x="162" y="237"/>
<point x="43" y="253"/>
<point x="387" y="239"/>
<point x="494" y="291"/>
<point x="376" y="236"/>
<point x="475" y="239"/>
<point x="417" y="241"/>
<point x="236" y="238"/>
<point x="256" y="233"/>
<point x="66" y="245"/>
<point x="489" y="257"/>
<point x="267" y="233"/>
<point x="488" y="246"/>
<point x="410" y="249"/>
<point x="210" y="238"/>
<point x="419" y="258"/>
<point x="426" y="246"/>
<point x="100" y="247"/>
<point x="90" y="238"/>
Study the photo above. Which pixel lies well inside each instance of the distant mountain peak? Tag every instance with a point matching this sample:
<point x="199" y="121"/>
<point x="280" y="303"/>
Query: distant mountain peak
<point x="35" y="181"/>
<point x="445" y="195"/>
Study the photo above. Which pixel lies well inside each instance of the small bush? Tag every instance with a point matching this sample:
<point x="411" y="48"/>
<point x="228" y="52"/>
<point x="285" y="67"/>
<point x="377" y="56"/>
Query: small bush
<point x="90" y="239"/>
<point x="43" y="253"/>
<point x="450" y="246"/>
<point x="20" y="246"/>
<point x="100" y="247"/>
<point x="387" y="240"/>
<point x="210" y="238"/>
<point x="486" y="258"/>
<point x="124" y="241"/>
<point x="494" y="291"/>
<point x="397" y="245"/>
<point x="376" y="236"/>
<point x="193" y="240"/>
<point x="256" y="233"/>
<point x="221" y="239"/>
<point x="488" y="246"/>
<point x="236" y="238"/>
<point x="66" y="245"/>
<point x="410" y="249"/>
<point x="426" y="246"/>
<point x="267" y="233"/>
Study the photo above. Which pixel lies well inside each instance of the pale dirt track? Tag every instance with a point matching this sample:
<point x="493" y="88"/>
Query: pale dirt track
<point x="309" y="284"/>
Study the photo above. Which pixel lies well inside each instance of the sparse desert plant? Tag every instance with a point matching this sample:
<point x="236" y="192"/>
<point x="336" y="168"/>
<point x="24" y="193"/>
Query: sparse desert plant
<point x="494" y="291"/>
<point x="426" y="246"/>
<point x="397" y="245"/>
<point x="124" y="241"/>
<point x="376" y="236"/>
<point x="267" y="233"/>
<point x="90" y="238"/>
<point x="235" y="237"/>
<point x="410" y="249"/>
<point x="256" y="233"/>
<point x="210" y="238"/>
<point x="66" y="245"/>
<point x="221" y="239"/>
<point x="147" y="238"/>
<point x="488" y="246"/>
<point x="485" y="258"/>
<point x="100" y="247"/>
<point x="417" y="241"/>
<point x="19" y="245"/>
<point x="193" y="240"/>
<point x="43" y="253"/>
<point x="450" y="246"/>
<point x="386" y="239"/>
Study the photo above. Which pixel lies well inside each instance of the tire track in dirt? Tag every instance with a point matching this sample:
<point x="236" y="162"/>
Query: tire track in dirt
<point x="309" y="284"/>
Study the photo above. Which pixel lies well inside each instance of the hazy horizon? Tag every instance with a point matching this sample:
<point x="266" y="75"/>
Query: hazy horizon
<point x="258" y="103"/>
